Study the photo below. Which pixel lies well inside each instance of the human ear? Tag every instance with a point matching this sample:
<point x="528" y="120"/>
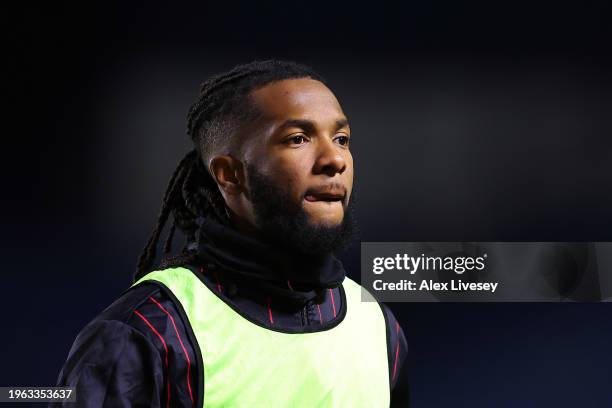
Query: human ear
<point x="227" y="171"/>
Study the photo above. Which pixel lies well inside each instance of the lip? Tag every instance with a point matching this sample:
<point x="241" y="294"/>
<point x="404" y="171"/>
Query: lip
<point x="325" y="195"/>
<point x="325" y="198"/>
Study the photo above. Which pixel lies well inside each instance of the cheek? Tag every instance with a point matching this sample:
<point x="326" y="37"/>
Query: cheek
<point x="349" y="164"/>
<point x="349" y="169"/>
<point x="291" y="175"/>
<point x="294" y="182"/>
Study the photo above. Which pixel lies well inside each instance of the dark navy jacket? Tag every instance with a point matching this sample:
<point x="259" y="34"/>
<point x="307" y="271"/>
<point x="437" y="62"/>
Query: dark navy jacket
<point x="139" y="351"/>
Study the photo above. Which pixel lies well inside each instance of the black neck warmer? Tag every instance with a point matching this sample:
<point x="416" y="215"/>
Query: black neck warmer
<point x="257" y="266"/>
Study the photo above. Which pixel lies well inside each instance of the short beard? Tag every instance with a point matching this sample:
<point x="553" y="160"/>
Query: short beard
<point x="285" y="223"/>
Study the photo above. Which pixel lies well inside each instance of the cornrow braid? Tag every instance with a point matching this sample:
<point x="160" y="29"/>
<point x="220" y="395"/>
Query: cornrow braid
<point x="148" y="254"/>
<point x="222" y="106"/>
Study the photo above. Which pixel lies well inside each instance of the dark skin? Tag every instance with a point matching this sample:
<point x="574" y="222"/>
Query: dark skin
<point x="301" y="143"/>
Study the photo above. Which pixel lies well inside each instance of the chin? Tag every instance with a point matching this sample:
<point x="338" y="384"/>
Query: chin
<point x="321" y="214"/>
<point x="329" y="221"/>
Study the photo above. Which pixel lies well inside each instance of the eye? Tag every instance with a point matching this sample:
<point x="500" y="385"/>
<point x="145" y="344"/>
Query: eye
<point x="297" y="140"/>
<point x="343" y="140"/>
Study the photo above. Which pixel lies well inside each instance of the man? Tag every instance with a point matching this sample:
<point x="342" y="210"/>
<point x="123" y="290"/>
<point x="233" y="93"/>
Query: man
<point x="255" y="310"/>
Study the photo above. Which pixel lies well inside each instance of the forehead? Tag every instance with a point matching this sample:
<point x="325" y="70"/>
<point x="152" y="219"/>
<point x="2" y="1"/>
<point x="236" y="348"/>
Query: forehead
<point x="303" y="97"/>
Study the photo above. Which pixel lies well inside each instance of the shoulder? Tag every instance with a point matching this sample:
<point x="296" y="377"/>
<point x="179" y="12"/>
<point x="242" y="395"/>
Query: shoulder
<point x="397" y="347"/>
<point x="129" y="343"/>
<point x="122" y="309"/>
<point x="397" y="353"/>
<point x="148" y="310"/>
<point x="108" y="331"/>
<point x="117" y="327"/>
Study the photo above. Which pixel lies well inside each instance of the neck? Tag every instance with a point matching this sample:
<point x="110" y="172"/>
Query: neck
<point x="245" y="253"/>
<point x="243" y="226"/>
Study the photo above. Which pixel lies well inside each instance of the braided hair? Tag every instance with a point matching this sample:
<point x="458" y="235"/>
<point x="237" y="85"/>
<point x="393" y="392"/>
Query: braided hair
<point x="222" y="107"/>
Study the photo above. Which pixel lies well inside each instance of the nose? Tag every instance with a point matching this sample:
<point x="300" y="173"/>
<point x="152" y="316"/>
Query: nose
<point x="329" y="159"/>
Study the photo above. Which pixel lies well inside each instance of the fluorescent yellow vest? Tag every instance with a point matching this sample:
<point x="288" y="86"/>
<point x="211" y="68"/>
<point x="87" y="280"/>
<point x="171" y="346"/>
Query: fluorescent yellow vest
<point x="247" y="365"/>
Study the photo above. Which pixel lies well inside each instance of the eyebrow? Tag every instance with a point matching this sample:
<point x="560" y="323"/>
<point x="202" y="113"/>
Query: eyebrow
<point x="309" y="125"/>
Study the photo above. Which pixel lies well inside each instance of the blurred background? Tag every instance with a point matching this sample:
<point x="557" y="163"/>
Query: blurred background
<point x="477" y="121"/>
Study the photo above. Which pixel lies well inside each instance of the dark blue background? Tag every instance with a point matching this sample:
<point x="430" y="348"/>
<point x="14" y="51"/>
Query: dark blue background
<point x="486" y="121"/>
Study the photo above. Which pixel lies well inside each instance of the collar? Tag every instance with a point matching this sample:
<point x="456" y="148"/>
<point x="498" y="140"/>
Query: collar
<point x="262" y="267"/>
